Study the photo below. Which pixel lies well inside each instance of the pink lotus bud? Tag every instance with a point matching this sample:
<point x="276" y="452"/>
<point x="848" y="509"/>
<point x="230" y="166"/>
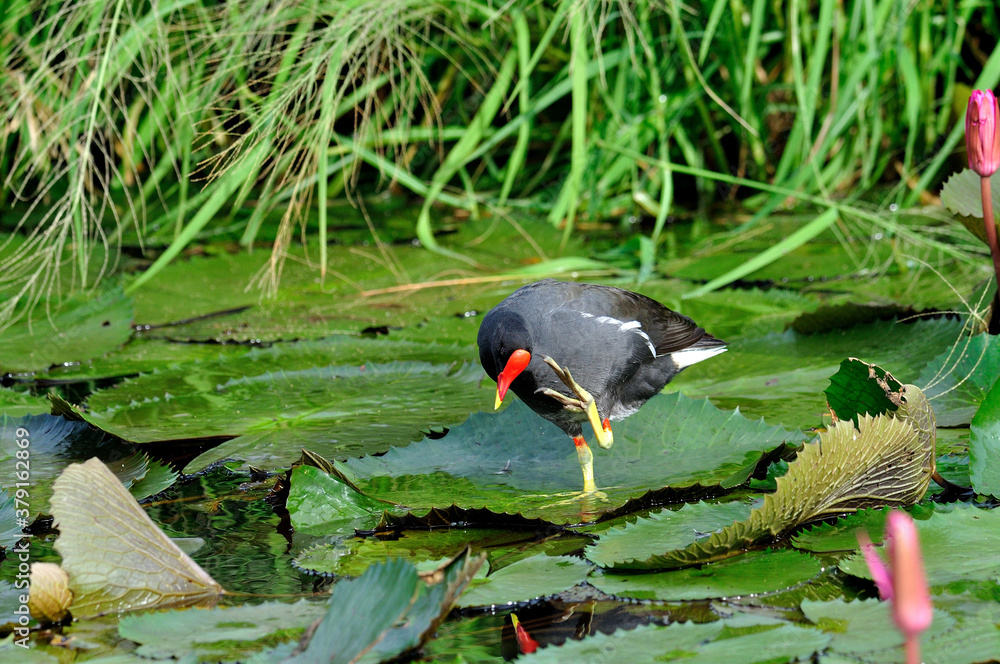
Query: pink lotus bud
<point x="879" y="571"/>
<point x="982" y="139"/>
<point x="911" y="605"/>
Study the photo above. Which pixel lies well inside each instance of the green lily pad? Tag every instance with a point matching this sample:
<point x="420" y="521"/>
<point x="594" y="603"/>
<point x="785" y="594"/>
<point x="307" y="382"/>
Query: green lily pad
<point x="517" y="462"/>
<point x="757" y="572"/>
<point x="884" y="461"/>
<point x="334" y="411"/>
<point x="383" y="613"/>
<point x="142" y="355"/>
<point x="959" y="546"/>
<point x="141" y="476"/>
<point x="962" y="194"/>
<point x="859" y="388"/>
<point x="841" y="535"/>
<point x="958" y="379"/>
<point x="217" y="634"/>
<point x="528" y="579"/>
<point x="666" y="530"/>
<point x="79" y="328"/>
<point x="320" y="504"/>
<point x="984" y="444"/>
<point x="963" y="631"/>
<point x="781" y="376"/>
<point x="188" y="378"/>
<point x="691" y="643"/>
<point x="352" y="556"/>
<point x="15" y="403"/>
<point x="865" y="626"/>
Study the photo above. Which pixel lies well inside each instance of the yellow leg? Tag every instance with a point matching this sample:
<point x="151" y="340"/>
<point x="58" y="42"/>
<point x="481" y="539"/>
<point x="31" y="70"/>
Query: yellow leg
<point x="583" y="402"/>
<point x="586" y="458"/>
<point x="601" y="429"/>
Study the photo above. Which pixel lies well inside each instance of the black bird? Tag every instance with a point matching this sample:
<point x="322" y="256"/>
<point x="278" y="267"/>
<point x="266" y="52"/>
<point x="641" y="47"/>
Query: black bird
<point x="621" y="348"/>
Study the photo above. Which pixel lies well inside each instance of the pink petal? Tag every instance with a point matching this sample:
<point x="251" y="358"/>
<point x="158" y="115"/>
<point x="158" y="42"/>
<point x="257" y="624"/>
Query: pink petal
<point x="911" y="605"/>
<point x="880" y="573"/>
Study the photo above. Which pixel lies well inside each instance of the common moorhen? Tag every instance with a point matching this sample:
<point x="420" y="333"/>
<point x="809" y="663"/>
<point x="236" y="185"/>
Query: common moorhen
<point x="621" y="347"/>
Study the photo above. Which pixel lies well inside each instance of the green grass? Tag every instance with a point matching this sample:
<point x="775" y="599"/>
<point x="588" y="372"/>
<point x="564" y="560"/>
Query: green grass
<point x="130" y="118"/>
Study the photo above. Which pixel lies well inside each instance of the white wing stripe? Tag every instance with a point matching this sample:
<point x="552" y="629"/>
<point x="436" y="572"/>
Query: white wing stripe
<point x="633" y="326"/>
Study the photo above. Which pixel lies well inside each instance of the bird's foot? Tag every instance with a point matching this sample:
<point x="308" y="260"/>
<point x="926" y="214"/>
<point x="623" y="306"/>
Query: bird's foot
<point x="585" y="497"/>
<point x="583" y="402"/>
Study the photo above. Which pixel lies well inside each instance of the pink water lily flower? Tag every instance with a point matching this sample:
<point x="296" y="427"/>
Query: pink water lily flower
<point x="982" y="139"/>
<point x="902" y="581"/>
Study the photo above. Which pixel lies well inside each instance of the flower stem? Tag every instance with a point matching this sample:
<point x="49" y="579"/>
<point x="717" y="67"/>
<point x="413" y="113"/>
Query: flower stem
<point x="913" y="649"/>
<point x="991" y="227"/>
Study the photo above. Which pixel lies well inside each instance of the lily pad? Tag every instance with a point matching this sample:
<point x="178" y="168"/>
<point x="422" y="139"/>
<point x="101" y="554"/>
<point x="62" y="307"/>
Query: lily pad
<point x="218" y="634"/>
<point x="690" y="643"/>
<point x="757" y="572"/>
<point x="116" y="558"/>
<point x="79" y="328"/>
<point x="321" y="504"/>
<point x="959" y="546"/>
<point x="865" y="626"/>
<point x="859" y="388"/>
<point x="984" y="445"/>
<point x="538" y="576"/>
<point x="383" y="613"/>
<point x="780" y="376"/>
<point x="666" y="530"/>
<point x="16" y="403"/>
<point x="334" y="411"/>
<point x="517" y="462"/>
<point x="963" y="630"/>
<point x="958" y="379"/>
<point x="841" y="535"/>
<point x="884" y="461"/>
<point x="144" y="355"/>
<point x="352" y="556"/>
<point x="962" y="194"/>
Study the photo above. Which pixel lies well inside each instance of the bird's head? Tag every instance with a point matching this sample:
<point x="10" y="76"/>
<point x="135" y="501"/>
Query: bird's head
<point x="504" y="350"/>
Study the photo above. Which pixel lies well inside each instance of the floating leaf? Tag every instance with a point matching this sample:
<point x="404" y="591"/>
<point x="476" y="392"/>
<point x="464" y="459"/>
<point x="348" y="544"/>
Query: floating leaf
<point x="859" y="388"/>
<point x="352" y="556"/>
<point x="15" y="403"/>
<point x="884" y="462"/>
<point x="538" y="576"/>
<point x="959" y="546"/>
<point x="754" y="572"/>
<point x="665" y="530"/>
<point x="385" y="612"/>
<point x="116" y="557"/>
<point x="957" y="380"/>
<point x="712" y="643"/>
<point x="335" y="411"/>
<point x="776" y="376"/>
<point x="77" y="329"/>
<point x="321" y="504"/>
<point x="984" y="444"/>
<point x="962" y="194"/>
<point x="862" y="627"/>
<point x="841" y="535"/>
<point x="517" y="462"/>
<point x="218" y="634"/>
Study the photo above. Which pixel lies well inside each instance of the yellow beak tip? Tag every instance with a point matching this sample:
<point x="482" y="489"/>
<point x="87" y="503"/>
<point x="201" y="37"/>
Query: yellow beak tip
<point x="498" y="402"/>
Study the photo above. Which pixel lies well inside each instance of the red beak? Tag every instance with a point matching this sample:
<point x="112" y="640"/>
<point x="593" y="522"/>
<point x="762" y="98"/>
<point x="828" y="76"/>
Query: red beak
<point x="515" y="365"/>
